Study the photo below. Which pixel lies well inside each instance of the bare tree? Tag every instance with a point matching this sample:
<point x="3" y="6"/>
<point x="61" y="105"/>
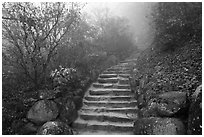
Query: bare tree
<point x="33" y="32"/>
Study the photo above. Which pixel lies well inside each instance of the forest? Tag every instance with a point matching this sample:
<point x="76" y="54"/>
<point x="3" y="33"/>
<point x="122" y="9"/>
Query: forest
<point x="54" y="51"/>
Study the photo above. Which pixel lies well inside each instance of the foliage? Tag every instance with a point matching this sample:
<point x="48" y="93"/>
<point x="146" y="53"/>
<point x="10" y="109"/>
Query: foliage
<point x="176" y="23"/>
<point x="65" y="77"/>
<point x="31" y="35"/>
<point x="118" y="38"/>
<point x="113" y="36"/>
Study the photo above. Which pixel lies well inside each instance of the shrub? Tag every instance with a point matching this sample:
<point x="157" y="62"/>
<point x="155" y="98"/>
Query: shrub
<point x="66" y="78"/>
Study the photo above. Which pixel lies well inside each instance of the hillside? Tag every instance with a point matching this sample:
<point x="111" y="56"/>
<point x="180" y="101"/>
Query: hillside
<point x="165" y="84"/>
<point x="179" y="70"/>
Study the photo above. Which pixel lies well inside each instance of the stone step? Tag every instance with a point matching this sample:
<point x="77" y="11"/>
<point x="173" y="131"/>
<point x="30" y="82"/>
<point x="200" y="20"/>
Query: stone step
<point x="123" y="66"/>
<point x="107" y="80"/>
<point x="123" y="81"/>
<point x="107" y="85"/>
<point x="123" y="86"/>
<point x="103" y="85"/>
<point x="105" y="109"/>
<point x="108" y="116"/>
<point x="108" y="75"/>
<point x="117" y="72"/>
<point x="100" y="85"/>
<point x="103" y="132"/>
<point x="109" y="72"/>
<point x="113" y="80"/>
<point x="118" y="69"/>
<point x="124" y="72"/>
<point x="124" y="75"/>
<point x="114" y="92"/>
<point x="114" y="98"/>
<point x="107" y="126"/>
<point x="111" y="104"/>
<point x="129" y="61"/>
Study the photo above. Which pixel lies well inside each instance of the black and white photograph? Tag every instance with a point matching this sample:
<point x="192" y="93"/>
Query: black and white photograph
<point x="101" y="67"/>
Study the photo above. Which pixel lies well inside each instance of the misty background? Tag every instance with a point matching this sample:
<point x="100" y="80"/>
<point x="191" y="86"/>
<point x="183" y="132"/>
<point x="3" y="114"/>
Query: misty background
<point x="137" y="15"/>
<point x="55" y="50"/>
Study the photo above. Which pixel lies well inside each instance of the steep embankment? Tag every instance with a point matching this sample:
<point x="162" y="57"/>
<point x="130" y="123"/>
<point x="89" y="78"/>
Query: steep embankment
<point x="165" y="84"/>
<point x="179" y="70"/>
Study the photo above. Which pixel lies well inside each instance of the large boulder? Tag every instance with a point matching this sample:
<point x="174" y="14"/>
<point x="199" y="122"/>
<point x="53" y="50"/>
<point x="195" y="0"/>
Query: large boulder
<point x="158" y="126"/>
<point x="195" y="113"/>
<point x="55" y="128"/>
<point x="43" y="111"/>
<point x="68" y="111"/>
<point x="172" y="103"/>
<point x="165" y="105"/>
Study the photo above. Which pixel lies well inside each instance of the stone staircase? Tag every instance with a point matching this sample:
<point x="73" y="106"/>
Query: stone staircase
<point x="109" y="106"/>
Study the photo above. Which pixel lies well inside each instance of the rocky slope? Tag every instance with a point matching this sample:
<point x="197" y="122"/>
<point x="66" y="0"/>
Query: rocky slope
<point x="165" y="85"/>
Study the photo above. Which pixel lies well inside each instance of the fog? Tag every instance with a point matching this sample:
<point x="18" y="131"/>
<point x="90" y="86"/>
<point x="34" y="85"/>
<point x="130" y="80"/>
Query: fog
<point x="136" y="12"/>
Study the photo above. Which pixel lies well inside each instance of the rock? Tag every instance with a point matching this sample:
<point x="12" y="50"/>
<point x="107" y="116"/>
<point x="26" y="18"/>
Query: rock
<point x="195" y="113"/>
<point x="68" y="112"/>
<point x="171" y="103"/>
<point x="78" y="102"/>
<point x="165" y="104"/>
<point x="158" y="126"/>
<point x="43" y="111"/>
<point x="150" y="110"/>
<point x="173" y="95"/>
<point x="55" y="128"/>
